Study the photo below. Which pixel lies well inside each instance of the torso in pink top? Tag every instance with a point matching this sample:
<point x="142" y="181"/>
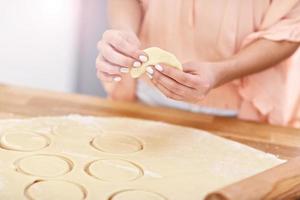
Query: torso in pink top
<point x="212" y="30"/>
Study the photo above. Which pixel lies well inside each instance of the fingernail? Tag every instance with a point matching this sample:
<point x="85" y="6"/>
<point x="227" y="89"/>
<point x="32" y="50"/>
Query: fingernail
<point x="149" y="75"/>
<point x="143" y="58"/>
<point x="124" y="70"/>
<point x="150" y="70"/>
<point x="117" y="79"/>
<point x="158" y="67"/>
<point x="137" y="64"/>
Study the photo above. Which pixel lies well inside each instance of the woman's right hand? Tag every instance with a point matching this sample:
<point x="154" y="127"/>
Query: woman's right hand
<point x="119" y="50"/>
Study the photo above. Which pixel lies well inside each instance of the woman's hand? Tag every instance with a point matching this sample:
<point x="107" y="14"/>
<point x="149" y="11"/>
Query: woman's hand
<point x="119" y="49"/>
<point x="189" y="85"/>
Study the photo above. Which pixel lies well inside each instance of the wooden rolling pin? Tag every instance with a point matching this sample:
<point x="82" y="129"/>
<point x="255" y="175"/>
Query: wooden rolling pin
<point x="279" y="183"/>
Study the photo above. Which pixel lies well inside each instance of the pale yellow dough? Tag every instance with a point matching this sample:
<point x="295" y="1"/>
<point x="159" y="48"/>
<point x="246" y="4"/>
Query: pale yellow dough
<point x="23" y="141"/>
<point x="55" y="190"/>
<point x="44" y="165"/>
<point x="156" y="56"/>
<point x="88" y="158"/>
<point x="116" y="143"/>
<point x="137" y="195"/>
<point x="114" y="170"/>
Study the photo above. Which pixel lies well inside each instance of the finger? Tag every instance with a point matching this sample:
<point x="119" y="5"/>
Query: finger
<point x="114" y="56"/>
<point x="126" y="43"/>
<point x="132" y="38"/>
<point x="186" y="79"/>
<point x="104" y="77"/>
<point x="125" y="47"/>
<point x="109" y="68"/>
<point x="167" y="92"/>
<point x="170" y="84"/>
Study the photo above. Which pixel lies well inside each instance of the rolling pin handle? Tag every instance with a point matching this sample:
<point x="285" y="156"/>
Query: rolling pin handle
<point x="278" y="183"/>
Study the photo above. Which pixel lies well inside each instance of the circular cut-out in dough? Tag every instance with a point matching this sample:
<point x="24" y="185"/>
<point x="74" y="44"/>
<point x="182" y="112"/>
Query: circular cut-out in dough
<point x="136" y="195"/>
<point x="23" y="141"/>
<point x="44" y="165"/>
<point x="117" y="144"/>
<point x="55" y="189"/>
<point x="114" y="170"/>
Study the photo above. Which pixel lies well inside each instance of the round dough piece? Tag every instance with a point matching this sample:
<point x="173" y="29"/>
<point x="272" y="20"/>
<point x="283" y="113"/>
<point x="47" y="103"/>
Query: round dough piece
<point x="114" y="170"/>
<point x="137" y="195"/>
<point x="44" y="165"/>
<point x="23" y="141"/>
<point x="55" y="189"/>
<point x="117" y="144"/>
<point x="155" y="56"/>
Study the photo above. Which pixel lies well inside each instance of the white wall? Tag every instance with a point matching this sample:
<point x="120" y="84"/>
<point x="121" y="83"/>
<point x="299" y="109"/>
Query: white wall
<point x="93" y="23"/>
<point x="39" y="43"/>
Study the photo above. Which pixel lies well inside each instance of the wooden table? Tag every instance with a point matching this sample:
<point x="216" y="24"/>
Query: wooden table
<point x="26" y="102"/>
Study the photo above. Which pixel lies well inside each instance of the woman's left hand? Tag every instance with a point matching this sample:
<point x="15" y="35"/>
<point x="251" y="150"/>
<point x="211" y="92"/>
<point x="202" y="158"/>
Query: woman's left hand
<point x="189" y="85"/>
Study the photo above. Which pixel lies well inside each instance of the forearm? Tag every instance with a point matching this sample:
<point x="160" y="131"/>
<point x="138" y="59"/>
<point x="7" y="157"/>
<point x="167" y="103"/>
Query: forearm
<point x="254" y="58"/>
<point x="198" y="77"/>
<point x="123" y="15"/>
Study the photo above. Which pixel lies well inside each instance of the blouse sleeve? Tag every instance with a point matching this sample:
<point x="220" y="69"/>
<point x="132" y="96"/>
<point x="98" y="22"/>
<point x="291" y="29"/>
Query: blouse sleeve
<point x="281" y="23"/>
<point x="273" y="94"/>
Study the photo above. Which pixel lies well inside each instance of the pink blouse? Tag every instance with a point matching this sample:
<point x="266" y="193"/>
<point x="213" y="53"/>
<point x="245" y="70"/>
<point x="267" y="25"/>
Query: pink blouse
<point x="212" y="30"/>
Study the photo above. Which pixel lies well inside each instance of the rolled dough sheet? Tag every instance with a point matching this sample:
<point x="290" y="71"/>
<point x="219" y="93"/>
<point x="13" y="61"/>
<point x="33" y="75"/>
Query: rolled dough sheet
<point x="77" y="157"/>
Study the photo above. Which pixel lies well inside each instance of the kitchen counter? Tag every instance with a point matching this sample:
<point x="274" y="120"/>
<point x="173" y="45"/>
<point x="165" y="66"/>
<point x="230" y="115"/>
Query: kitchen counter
<point x="20" y="102"/>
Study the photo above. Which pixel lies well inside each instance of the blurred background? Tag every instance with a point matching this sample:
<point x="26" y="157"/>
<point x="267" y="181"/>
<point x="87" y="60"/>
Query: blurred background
<point x="51" y="44"/>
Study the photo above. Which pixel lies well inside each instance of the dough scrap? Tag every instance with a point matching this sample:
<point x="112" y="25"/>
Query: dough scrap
<point x="155" y="56"/>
